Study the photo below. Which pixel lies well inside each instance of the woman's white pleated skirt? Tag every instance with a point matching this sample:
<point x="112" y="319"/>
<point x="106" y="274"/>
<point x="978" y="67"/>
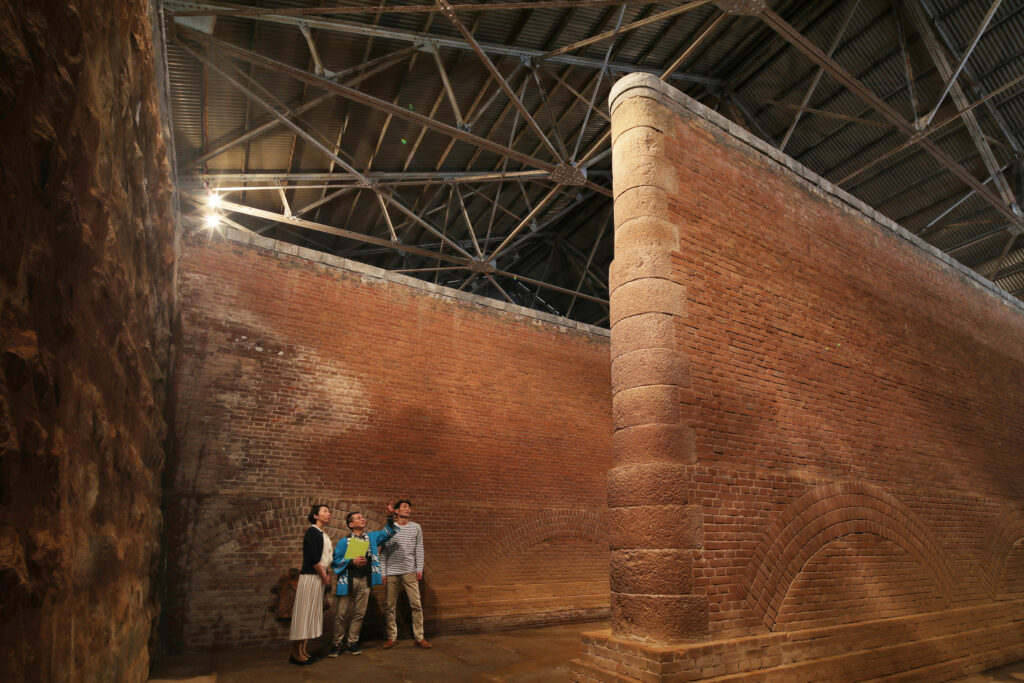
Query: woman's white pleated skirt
<point x="308" y="614"/>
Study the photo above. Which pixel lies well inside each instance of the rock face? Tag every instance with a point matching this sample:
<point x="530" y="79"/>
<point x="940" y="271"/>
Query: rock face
<point x="86" y="294"/>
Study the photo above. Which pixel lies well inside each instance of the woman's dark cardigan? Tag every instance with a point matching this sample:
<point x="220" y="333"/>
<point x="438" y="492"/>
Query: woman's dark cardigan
<point x="312" y="549"/>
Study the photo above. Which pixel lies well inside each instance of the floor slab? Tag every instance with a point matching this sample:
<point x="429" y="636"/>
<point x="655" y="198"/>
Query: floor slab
<point x="534" y="655"/>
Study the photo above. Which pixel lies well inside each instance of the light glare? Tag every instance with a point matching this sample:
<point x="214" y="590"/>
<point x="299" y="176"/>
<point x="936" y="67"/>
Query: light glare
<point x="212" y="221"/>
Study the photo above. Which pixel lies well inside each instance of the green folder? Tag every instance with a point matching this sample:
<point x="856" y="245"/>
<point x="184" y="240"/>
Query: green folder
<point x="357" y="547"/>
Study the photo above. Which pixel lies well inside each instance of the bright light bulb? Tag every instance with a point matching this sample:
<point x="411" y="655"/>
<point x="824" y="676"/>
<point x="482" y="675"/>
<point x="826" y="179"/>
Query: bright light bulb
<point x="212" y="221"/>
<point x="213" y="200"/>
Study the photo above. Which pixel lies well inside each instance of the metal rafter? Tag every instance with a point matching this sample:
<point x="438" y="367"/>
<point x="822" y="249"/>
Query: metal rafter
<point x="969" y="74"/>
<point x="368" y="69"/>
<point x="805" y="46"/>
<point x="316" y="143"/>
<point x="365" y="99"/>
<point x="224" y="9"/>
<point x="423" y="41"/>
<point x="624" y="29"/>
<point x="951" y="78"/>
<point x="817" y="76"/>
<point x="473" y="211"/>
<point x="962" y="103"/>
<point x="449" y="14"/>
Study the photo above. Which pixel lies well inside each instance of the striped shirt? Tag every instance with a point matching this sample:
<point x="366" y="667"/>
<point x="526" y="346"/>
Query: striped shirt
<point x="403" y="554"/>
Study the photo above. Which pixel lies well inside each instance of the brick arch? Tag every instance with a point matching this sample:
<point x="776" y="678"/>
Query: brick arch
<point x="275" y="518"/>
<point x="1002" y="535"/>
<point x="542" y="526"/>
<point x="825" y="514"/>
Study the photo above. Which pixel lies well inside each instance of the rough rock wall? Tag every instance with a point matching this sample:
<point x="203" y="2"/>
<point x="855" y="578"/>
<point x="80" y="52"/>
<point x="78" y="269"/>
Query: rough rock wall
<point x="86" y="293"/>
<point x="827" y="408"/>
<point x="301" y="377"/>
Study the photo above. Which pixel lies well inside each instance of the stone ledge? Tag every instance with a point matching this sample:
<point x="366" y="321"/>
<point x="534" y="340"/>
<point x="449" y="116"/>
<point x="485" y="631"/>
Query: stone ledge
<point x="650" y="86"/>
<point x="949" y="644"/>
<point x="372" y="272"/>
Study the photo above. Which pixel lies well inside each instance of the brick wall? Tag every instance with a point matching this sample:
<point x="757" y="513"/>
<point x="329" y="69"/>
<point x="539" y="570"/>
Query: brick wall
<point x="851" y="401"/>
<point x="86" y="296"/>
<point x="301" y="377"/>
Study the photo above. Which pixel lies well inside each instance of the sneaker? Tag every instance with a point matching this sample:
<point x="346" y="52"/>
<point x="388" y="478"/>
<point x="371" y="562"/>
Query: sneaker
<point x="334" y="651"/>
<point x="390" y="643"/>
<point x="422" y="642"/>
<point x="353" y="649"/>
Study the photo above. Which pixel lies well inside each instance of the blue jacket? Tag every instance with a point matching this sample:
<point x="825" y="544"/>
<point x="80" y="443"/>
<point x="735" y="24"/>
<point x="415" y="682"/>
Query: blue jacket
<point x="340" y="564"/>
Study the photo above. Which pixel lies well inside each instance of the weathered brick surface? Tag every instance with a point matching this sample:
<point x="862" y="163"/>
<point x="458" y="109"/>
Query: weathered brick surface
<point x="299" y="381"/>
<point x="86" y="292"/>
<point x="852" y="397"/>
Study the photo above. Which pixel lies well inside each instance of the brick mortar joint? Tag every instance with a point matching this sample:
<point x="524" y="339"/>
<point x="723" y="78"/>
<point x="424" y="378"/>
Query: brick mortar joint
<point x="650" y="87"/>
<point x="372" y="272"/>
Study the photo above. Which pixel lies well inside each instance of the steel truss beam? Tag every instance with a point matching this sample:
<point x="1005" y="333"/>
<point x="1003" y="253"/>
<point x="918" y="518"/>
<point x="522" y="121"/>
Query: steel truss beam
<point x="217" y="180"/>
<point x="387" y="107"/>
<point x="228" y="10"/>
<point x="962" y="103"/>
<point x="323" y="148"/>
<point x="426" y="42"/>
<point x="801" y="43"/>
<point x="468" y="263"/>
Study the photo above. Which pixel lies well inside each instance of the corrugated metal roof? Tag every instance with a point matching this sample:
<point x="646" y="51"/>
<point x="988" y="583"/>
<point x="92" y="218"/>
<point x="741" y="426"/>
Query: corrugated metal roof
<point x="742" y="68"/>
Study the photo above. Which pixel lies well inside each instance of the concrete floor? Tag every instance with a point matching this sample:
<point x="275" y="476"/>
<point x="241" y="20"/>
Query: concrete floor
<point x="535" y="655"/>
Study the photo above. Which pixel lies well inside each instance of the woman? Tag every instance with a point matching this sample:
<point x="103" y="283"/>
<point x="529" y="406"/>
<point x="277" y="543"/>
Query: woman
<point x="308" y="614"/>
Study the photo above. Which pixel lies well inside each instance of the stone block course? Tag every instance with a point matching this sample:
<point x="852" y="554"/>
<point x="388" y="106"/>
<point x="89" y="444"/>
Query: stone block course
<point x="647" y="295"/>
<point x="669" y="442"/>
<point x="655" y="526"/>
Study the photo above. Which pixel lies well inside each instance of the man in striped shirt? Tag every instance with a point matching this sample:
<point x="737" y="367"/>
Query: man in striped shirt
<point x="402" y="566"/>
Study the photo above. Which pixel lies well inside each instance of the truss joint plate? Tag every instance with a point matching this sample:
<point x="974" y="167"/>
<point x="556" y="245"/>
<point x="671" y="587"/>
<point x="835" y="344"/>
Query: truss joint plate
<point x="564" y="174"/>
<point x="480" y="267"/>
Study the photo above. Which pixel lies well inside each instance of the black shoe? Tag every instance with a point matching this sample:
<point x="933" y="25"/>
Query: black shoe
<point x="292" y="660"/>
<point x="335" y="650"/>
<point x="353" y="649"/>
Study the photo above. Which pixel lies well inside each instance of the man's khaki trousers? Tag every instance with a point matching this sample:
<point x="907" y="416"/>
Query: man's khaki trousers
<point x="408" y="583"/>
<point x="355" y="602"/>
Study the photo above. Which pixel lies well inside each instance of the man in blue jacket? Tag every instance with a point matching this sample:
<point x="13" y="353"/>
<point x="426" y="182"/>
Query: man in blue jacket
<point x="355" y="579"/>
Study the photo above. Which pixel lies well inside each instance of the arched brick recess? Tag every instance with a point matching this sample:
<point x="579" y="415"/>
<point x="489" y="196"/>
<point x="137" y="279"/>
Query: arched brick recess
<point x="825" y="514"/>
<point x="1005" y="532"/>
<point x="541" y="527"/>
<point x="282" y="520"/>
<point x="268" y="537"/>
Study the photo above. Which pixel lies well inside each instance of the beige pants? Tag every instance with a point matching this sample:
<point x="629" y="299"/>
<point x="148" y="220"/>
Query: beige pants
<point x="408" y="583"/>
<point x="355" y="602"/>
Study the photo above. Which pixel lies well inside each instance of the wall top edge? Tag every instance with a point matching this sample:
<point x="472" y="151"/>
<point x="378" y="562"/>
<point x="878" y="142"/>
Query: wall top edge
<point x="651" y="87"/>
<point x="372" y="272"/>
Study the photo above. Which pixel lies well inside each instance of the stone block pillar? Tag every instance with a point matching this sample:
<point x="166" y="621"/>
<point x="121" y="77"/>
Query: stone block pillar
<point x="655" y="526"/>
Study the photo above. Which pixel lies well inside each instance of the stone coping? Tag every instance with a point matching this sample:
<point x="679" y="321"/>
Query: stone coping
<point x="633" y="85"/>
<point x="367" y="271"/>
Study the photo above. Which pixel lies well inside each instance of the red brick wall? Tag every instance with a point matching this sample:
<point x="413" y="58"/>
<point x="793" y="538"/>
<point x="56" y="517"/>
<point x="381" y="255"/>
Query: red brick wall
<point x="832" y="361"/>
<point x="854" y="406"/>
<point x="298" y="381"/>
